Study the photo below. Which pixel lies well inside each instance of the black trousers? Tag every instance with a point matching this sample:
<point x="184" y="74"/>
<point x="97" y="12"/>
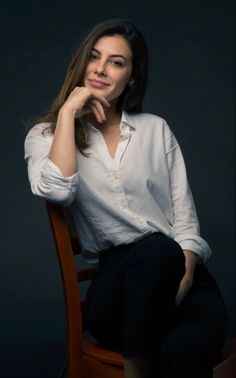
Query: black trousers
<point x="130" y="307"/>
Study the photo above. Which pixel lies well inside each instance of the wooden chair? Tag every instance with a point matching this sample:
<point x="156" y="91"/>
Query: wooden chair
<point x="86" y="358"/>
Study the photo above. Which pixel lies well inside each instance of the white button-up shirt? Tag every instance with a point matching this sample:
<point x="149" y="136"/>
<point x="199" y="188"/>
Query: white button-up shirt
<point x="144" y="189"/>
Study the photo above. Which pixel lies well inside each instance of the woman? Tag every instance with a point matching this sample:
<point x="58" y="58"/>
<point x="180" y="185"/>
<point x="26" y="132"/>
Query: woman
<point x="120" y="173"/>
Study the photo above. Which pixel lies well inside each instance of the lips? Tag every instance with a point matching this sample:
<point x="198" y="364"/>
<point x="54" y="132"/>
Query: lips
<point x="97" y="83"/>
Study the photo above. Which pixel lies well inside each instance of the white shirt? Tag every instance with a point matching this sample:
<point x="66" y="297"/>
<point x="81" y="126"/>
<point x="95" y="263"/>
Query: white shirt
<point x="144" y="189"/>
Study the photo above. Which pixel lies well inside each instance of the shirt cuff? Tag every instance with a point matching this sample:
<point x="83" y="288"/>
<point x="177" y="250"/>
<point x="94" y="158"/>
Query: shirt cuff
<point x="51" y="175"/>
<point x="195" y="244"/>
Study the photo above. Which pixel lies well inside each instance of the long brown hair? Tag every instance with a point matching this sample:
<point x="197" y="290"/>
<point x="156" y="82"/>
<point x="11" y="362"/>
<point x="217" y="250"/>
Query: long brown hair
<point x="131" y="98"/>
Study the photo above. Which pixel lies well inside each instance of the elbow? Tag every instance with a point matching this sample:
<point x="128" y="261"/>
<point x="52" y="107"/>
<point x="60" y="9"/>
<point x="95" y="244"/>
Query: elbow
<point x="48" y="182"/>
<point x="62" y="196"/>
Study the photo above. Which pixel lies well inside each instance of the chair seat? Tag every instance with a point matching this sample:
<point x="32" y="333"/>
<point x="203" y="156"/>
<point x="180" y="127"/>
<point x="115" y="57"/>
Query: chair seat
<point x="93" y="349"/>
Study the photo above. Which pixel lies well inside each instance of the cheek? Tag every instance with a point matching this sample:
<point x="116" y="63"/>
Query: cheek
<point x="122" y="81"/>
<point x="88" y="69"/>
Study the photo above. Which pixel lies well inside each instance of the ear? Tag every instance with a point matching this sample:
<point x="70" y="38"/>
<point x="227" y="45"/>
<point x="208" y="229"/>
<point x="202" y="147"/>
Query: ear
<point x="131" y="83"/>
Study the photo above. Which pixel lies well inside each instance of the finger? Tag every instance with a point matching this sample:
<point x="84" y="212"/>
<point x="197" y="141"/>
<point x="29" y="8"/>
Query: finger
<point x="178" y="300"/>
<point x="99" y="108"/>
<point x="96" y="113"/>
<point x="102" y="99"/>
<point x="90" y="107"/>
<point x="86" y="109"/>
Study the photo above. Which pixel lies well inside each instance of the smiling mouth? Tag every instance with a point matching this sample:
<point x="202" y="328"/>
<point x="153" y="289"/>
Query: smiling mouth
<point x="97" y="83"/>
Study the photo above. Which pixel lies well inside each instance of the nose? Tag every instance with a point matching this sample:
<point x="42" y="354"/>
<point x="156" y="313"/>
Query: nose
<point x="100" y="68"/>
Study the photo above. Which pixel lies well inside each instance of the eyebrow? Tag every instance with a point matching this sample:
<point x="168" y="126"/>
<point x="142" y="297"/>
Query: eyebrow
<point x="112" y="55"/>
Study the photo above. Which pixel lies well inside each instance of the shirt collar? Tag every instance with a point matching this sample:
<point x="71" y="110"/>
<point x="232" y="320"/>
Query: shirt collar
<point x="127" y="119"/>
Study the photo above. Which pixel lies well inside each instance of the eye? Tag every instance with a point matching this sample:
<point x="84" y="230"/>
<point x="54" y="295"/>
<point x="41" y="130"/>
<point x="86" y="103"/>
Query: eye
<point x="93" y="56"/>
<point x="117" y="63"/>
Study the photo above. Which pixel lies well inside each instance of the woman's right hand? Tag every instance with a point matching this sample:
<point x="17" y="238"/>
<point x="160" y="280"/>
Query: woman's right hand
<point x="84" y="100"/>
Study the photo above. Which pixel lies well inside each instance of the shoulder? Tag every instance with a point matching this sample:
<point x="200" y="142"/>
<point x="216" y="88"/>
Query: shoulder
<point x="39" y="137"/>
<point x="148" y="122"/>
<point x="41" y="129"/>
<point x="148" y="117"/>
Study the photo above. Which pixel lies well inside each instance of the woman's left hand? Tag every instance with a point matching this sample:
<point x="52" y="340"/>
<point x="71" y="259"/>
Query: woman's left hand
<point x="187" y="280"/>
<point x="184" y="287"/>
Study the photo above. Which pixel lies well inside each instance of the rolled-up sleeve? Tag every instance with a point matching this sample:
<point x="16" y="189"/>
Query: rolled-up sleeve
<point x="186" y="225"/>
<point x="45" y="177"/>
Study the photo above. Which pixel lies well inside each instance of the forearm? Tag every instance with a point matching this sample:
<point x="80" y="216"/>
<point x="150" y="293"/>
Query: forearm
<point x="187" y="280"/>
<point x="63" y="149"/>
<point x="190" y="262"/>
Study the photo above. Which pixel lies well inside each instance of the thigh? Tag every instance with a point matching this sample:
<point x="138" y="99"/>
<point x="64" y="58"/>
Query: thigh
<point x="102" y="311"/>
<point x="157" y="254"/>
<point x="103" y="307"/>
<point x="124" y="271"/>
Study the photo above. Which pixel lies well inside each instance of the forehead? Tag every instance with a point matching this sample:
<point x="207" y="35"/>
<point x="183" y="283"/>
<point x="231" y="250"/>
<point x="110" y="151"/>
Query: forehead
<point x="112" y="45"/>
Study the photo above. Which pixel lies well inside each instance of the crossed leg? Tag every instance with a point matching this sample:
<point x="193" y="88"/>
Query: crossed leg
<point x="130" y="308"/>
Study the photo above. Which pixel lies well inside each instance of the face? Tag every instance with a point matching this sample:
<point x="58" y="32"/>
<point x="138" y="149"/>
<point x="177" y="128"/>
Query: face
<point x="110" y="66"/>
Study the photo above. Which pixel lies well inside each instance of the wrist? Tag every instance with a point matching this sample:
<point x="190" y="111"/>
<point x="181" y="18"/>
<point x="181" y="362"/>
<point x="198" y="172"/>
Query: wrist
<point x="67" y="112"/>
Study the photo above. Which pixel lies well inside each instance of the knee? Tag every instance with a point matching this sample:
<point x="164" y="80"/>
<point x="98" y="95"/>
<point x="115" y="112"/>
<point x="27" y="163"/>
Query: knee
<point x="165" y="255"/>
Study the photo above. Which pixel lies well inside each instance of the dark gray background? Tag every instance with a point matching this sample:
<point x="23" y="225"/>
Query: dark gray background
<point x="191" y="85"/>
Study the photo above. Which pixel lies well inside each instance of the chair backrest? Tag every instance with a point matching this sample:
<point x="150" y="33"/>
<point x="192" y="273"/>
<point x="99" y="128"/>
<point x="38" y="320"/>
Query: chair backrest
<point x="67" y="245"/>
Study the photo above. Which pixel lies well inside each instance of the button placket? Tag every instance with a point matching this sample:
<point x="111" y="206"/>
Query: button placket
<point x="103" y="151"/>
<point x="121" y="196"/>
<point x="114" y="164"/>
<point x="118" y="188"/>
<point x="125" y="136"/>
